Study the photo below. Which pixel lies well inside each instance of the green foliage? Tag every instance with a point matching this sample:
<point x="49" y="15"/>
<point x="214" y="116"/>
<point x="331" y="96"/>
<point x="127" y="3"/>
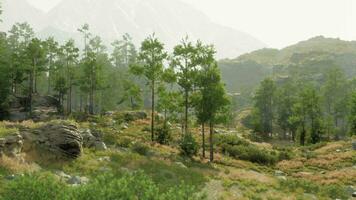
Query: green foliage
<point x="352" y="115"/>
<point x="163" y="134"/>
<point x="188" y="145"/>
<point x="128" y="186"/>
<point x="239" y="148"/>
<point x="333" y="191"/>
<point x="37" y="187"/>
<point x="264" y="107"/>
<point x="140" y="148"/>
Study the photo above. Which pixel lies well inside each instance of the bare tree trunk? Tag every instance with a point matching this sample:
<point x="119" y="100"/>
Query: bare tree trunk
<point x="203" y="138"/>
<point x="186" y="112"/>
<point x="153" y="111"/>
<point x="211" y="142"/>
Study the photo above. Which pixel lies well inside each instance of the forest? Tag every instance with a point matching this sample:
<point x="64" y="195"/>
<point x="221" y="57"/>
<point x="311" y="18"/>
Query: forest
<point x="123" y="121"/>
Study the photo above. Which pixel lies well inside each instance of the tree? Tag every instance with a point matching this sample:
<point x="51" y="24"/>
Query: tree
<point x="51" y="47"/>
<point x="19" y="38"/>
<point x="307" y="115"/>
<point x="205" y="58"/>
<point x="286" y="98"/>
<point x="334" y="93"/>
<point x="71" y="54"/>
<point x="214" y="100"/>
<point x="35" y="53"/>
<point x="151" y="58"/>
<point x="352" y="114"/>
<point x="264" y="107"/>
<point x="124" y="52"/>
<point x="93" y="64"/>
<point x="185" y="66"/>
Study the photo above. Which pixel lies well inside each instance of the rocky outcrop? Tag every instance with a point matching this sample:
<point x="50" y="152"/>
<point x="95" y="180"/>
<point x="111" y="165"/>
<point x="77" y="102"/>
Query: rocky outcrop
<point x="59" y="138"/>
<point x="93" y="140"/>
<point x="11" y="145"/>
<point x="44" y="108"/>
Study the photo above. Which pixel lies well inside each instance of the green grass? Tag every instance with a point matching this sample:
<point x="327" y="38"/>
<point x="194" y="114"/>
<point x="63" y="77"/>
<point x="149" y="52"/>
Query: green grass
<point x="128" y="186"/>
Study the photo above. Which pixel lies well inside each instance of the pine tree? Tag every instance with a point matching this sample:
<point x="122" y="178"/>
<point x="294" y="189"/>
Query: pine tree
<point x="151" y="58"/>
<point x="185" y="66"/>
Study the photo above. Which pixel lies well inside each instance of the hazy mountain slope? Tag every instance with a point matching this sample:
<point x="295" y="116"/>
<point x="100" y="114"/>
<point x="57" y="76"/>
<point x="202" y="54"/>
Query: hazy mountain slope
<point x="171" y="20"/>
<point x="20" y="11"/>
<point x="313" y="57"/>
<point x="308" y="48"/>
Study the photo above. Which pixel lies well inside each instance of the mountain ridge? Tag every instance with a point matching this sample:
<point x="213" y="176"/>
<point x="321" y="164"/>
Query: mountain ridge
<point x="170" y="20"/>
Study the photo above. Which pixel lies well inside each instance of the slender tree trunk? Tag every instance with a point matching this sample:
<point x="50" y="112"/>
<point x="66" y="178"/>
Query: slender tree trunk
<point x="302" y="136"/>
<point x="203" y="138"/>
<point x="211" y="142"/>
<point x="186" y="112"/>
<point x="153" y="111"/>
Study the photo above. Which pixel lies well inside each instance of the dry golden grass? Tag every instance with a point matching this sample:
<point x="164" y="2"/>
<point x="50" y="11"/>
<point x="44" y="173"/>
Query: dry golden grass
<point x="242" y="174"/>
<point x="286" y="165"/>
<point x="331" y="159"/>
<point x="331" y="147"/>
<point x="346" y="175"/>
<point x="17" y="165"/>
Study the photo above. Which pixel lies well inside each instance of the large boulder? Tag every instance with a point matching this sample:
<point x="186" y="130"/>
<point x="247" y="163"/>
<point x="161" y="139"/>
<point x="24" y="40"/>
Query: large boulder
<point x="11" y="145"/>
<point x="60" y="138"/>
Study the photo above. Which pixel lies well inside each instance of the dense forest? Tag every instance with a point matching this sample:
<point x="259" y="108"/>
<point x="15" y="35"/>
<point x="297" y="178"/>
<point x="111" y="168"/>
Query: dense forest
<point x="147" y="122"/>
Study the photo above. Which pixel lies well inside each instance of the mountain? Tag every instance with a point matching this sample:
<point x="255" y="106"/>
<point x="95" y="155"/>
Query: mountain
<point x="20" y="11"/>
<point x="171" y="20"/>
<point x="311" y="57"/>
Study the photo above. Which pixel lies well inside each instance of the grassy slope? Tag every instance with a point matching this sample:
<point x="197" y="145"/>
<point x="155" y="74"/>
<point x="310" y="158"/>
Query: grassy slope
<point x="318" y="171"/>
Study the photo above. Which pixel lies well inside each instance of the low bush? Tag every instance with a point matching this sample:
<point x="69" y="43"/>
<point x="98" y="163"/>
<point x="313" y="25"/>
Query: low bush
<point x="128" y="186"/>
<point x="239" y="148"/>
<point x="188" y="145"/>
<point x="140" y="148"/>
<point x="253" y="154"/>
<point x="124" y="142"/>
<point x="163" y="134"/>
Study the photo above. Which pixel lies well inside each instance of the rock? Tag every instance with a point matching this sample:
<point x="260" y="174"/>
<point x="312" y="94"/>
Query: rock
<point x="62" y="175"/>
<point x="10" y="177"/>
<point x="104" y="159"/>
<point x="11" y="145"/>
<point x="354" y="194"/>
<point x="309" y="196"/>
<point x="354" y="145"/>
<point x="109" y="113"/>
<point x="283" y="178"/>
<point x="100" y="146"/>
<point x="77" y="180"/>
<point x="125" y="126"/>
<point x="181" y="165"/>
<point x="322" y="172"/>
<point x="338" y="150"/>
<point x="91" y="141"/>
<point x="60" y="138"/>
<point x="279" y="173"/>
<point x="350" y="189"/>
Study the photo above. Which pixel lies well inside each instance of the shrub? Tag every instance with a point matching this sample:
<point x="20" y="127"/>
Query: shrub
<point x="38" y="187"/>
<point x="188" y="145"/>
<point x="163" y="134"/>
<point x="124" y="142"/>
<point x="108" y="186"/>
<point x="253" y="154"/>
<point x="140" y="148"/>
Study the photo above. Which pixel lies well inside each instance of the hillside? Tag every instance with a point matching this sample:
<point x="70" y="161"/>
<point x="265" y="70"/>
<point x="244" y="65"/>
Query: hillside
<point x="131" y="165"/>
<point x="170" y="20"/>
<point x="316" y="55"/>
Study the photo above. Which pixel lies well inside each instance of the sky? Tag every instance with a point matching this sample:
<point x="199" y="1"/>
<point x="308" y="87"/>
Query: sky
<point x="277" y="23"/>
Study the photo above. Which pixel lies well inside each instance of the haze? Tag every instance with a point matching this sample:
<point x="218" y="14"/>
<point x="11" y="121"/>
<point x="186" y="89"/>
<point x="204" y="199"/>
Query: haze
<point x="278" y="23"/>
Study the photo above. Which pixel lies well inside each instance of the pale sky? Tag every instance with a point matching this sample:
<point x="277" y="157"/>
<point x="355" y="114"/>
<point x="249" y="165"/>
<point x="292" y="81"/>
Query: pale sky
<point x="278" y="23"/>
